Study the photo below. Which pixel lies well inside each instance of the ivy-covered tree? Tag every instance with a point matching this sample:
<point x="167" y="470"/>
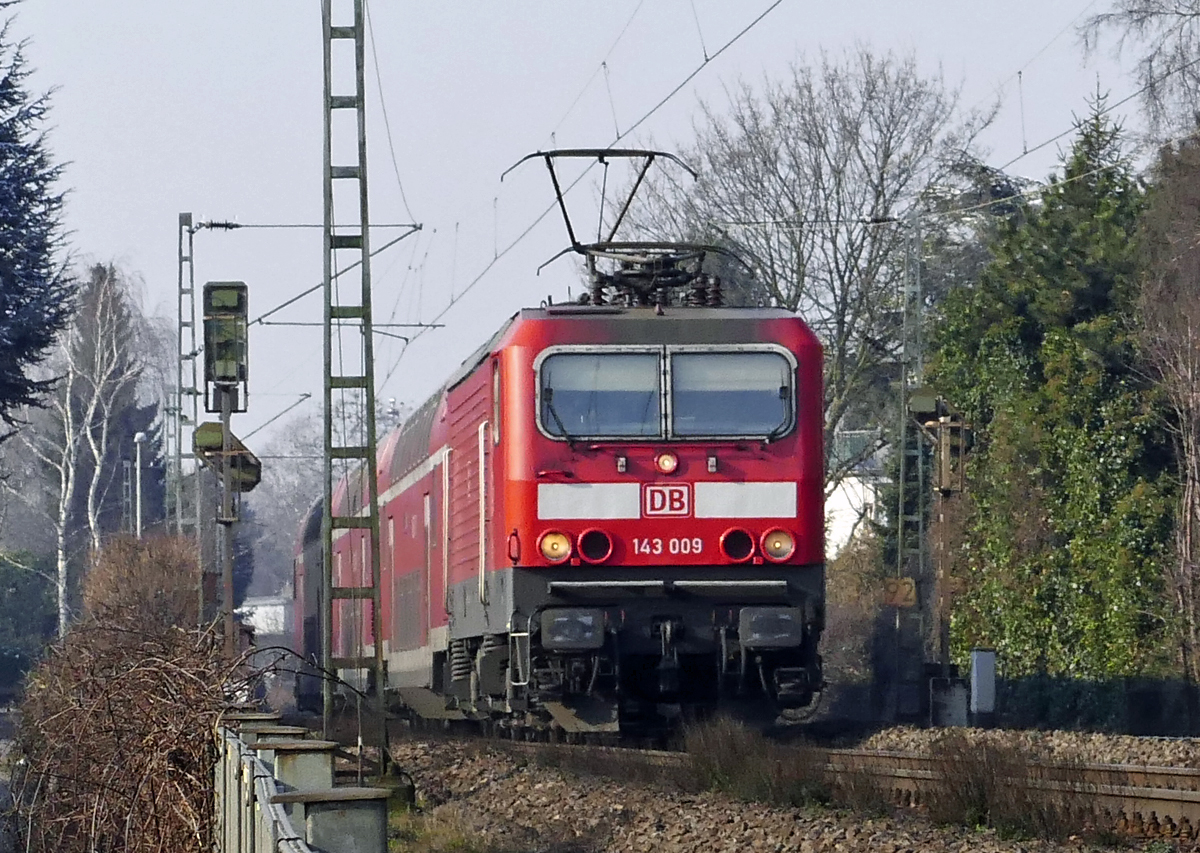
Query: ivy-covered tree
<point x="35" y="291"/>
<point x="1069" y="482"/>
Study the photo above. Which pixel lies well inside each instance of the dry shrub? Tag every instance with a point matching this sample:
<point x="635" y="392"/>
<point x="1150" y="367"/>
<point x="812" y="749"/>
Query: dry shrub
<point x="730" y="757"/>
<point x="154" y="578"/>
<point x="858" y="786"/>
<point x="853" y="601"/>
<point x="116" y="723"/>
<point x="986" y="782"/>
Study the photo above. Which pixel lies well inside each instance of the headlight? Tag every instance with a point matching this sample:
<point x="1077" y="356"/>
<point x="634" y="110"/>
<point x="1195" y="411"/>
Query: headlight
<point x="572" y="628"/>
<point x="778" y="545"/>
<point x="555" y="546"/>
<point x="771" y="627"/>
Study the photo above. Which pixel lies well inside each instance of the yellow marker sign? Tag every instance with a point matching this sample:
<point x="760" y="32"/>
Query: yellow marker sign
<point x="900" y="592"/>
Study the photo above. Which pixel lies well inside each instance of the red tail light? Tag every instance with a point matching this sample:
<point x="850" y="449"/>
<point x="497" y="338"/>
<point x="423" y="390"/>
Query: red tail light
<point x="595" y="546"/>
<point x="737" y="545"/>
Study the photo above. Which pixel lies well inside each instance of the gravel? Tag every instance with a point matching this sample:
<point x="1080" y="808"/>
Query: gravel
<point x="515" y="805"/>
<point x="1076" y="746"/>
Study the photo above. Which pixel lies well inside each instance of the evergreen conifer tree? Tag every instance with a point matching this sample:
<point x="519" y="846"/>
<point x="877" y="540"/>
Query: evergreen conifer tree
<point x="35" y="291"/>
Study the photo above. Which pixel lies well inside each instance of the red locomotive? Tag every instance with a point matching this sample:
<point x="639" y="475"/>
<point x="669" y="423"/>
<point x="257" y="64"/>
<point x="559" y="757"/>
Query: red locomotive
<point x="610" y="515"/>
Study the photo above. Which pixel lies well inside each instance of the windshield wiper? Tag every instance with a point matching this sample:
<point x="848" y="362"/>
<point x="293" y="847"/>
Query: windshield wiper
<point x="787" y="417"/>
<point x="548" y="402"/>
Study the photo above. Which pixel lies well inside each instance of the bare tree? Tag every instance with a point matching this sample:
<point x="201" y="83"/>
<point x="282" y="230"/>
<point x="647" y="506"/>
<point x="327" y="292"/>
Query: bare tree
<point x="105" y="356"/>
<point x="293" y="469"/>
<point x="74" y="448"/>
<point x="1166" y="34"/>
<point x="811" y="180"/>
<point x="1170" y="332"/>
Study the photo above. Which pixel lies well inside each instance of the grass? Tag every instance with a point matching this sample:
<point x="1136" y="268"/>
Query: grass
<point x="443" y="831"/>
<point x="729" y="757"/>
<point x="982" y="784"/>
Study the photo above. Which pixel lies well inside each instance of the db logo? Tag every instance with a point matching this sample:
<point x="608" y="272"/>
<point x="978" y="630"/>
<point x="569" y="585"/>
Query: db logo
<point x="666" y="500"/>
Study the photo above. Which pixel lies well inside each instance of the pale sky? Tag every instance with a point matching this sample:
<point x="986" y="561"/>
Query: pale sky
<point x="214" y="107"/>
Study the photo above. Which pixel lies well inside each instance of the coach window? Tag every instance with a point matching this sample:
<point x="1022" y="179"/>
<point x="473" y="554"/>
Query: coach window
<point x="596" y="394"/>
<point x="731" y="394"/>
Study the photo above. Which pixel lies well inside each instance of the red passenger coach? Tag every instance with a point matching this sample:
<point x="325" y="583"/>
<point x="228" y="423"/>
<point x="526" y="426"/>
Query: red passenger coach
<point x="611" y="515"/>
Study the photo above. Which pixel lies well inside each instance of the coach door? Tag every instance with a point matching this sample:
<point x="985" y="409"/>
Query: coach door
<point x="427" y="568"/>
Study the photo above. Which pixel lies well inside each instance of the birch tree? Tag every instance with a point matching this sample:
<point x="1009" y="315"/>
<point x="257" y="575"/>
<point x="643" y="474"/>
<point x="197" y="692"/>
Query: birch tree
<point x="75" y="448"/>
<point x="53" y="444"/>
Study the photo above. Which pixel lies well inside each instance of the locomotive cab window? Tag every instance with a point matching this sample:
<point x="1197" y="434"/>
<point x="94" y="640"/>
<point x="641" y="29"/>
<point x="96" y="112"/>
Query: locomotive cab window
<point x="594" y="394"/>
<point x="717" y="394"/>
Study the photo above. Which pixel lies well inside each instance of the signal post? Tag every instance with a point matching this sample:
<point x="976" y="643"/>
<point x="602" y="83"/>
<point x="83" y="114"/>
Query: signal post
<point x="226" y="377"/>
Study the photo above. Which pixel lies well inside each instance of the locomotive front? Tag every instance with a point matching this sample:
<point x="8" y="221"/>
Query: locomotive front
<point x="665" y="523"/>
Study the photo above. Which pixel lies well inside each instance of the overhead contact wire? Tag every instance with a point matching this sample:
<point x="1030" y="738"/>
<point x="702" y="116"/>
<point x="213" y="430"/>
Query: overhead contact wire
<point x="554" y="205"/>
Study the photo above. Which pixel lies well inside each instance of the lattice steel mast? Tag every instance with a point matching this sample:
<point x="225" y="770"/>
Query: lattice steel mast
<point x="349" y="364"/>
<point x="186" y="389"/>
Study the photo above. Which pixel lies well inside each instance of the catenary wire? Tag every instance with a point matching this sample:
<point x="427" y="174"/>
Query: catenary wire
<point x="599" y="67"/>
<point x="387" y="125"/>
<point x="1105" y="111"/>
<point x="554" y="205"/>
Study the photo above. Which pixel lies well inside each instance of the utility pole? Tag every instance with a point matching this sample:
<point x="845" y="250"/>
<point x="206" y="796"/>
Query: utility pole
<point x="349" y="360"/>
<point x="138" y="440"/>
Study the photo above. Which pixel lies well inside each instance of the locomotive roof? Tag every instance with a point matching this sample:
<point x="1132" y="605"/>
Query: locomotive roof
<point x="620" y="312"/>
<point x="676" y="323"/>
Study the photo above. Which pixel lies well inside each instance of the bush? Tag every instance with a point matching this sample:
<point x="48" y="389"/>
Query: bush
<point x="152" y="580"/>
<point x="116" y="725"/>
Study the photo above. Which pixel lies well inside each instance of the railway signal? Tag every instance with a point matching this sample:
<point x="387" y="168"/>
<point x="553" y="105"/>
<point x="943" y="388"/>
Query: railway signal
<point x="226" y="374"/>
<point x="226" y="362"/>
<point x="208" y="444"/>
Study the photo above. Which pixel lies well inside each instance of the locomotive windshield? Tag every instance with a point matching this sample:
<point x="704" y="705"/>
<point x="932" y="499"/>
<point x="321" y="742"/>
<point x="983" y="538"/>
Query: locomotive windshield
<point x="601" y="394"/>
<point x="730" y="394"/>
<point x="713" y="394"/>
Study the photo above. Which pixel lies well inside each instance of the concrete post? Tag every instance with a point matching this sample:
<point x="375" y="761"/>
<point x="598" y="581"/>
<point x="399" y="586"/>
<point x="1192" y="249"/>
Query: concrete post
<point x="341" y="820"/>
<point x="252" y="734"/>
<point x="246" y="832"/>
<point x="236" y="718"/>
<point x="305" y="765"/>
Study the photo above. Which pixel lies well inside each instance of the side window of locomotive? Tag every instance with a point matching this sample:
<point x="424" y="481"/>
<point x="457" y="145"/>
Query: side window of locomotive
<point x="601" y="394"/>
<point x="731" y="394"/>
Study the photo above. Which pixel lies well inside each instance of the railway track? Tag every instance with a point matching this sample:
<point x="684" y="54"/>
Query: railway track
<point x="1135" y="800"/>
<point x="1132" y="800"/>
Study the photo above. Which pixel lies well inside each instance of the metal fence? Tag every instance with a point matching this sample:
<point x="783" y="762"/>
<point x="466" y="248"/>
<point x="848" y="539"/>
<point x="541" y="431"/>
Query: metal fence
<point x="275" y="793"/>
